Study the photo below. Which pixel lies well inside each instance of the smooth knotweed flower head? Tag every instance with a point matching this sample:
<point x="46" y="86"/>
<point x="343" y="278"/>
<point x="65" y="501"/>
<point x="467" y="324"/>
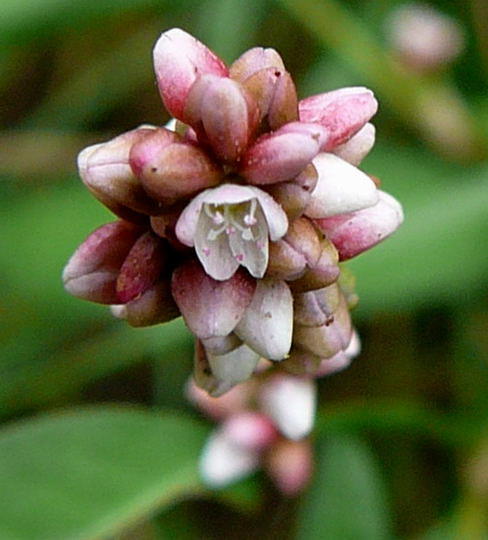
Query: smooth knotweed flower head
<point x="238" y="215"/>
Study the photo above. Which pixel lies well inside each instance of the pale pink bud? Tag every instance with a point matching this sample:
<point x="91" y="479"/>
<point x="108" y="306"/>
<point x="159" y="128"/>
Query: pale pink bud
<point x="251" y="430"/>
<point x="283" y="154"/>
<point x="284" y="261"/>
<point x="328" y="339"/>
<point x="294" y="196"/>
<point x="358" y="146"/>
<point x="341" y="360"/>
<point x="424" y="38"/>
<point x="234" y="401"/>
<point x="290" y="465"/>
<point x="223" y="461"/>
<point x="342" y="112"/>
<point x="169" y="170"/>
<point x="92" y="271"/>
<point x="211" y="308"/>
<point x="358" y="231"/>
<point x="254" y="60"/>
<point x="179" y="59"/>
<point x="226" y="114"/>
<point x="340" y="188"/>
<point x="290" y="402"/>
<point x="105" y="170"/>
<point x="267" y="323"/>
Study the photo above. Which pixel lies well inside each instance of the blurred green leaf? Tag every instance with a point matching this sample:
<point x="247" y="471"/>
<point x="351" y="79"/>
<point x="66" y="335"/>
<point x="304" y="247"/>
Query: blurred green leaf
<point x="82" y="474"/>
<point x="347" y="499"/>
<point x="435" y="256"/>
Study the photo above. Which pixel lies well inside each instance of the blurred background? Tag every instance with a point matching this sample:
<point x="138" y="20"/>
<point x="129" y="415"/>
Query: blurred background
<point x="401" y="438"/>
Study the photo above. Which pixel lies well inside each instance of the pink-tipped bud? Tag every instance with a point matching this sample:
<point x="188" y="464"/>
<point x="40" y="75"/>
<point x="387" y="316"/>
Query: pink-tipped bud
<point x="210" y="307"/>
<point x="92" y="271"/>
<point x="315" y="308"/>
<point x="250" y="430"/>
<point x="341" y="360"/>
<point x="290" y="466"/>
<point x="179" y="59"/>
<point x="342" y="112"/>
<point x="170" y="169"/>
<point x="358" y="231"/>
<point x="105" y="170"/>
<point x="283" y="154"/>
<point x="290" y="402"/>
<point x="223" y="114"/>
<point x="275" y="94"/>
<point x="141" y="268"/>
<point x="254" y="60"/>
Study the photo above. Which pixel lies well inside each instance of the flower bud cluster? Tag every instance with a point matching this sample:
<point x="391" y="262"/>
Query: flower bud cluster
<point x="238" y="215"/>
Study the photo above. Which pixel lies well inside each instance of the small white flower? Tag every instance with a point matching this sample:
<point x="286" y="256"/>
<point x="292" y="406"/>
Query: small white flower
<point x="231" y="226"/>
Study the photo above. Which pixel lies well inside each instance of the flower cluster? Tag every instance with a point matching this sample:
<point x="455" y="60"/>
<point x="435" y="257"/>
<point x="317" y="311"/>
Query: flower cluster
<point x="237" y="215"/>
<point x="266" y="421"/>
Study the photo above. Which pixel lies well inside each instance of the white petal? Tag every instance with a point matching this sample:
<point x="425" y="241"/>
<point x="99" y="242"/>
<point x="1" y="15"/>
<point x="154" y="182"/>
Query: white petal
<point x="290" y="402"/>
<point x="273" y="212"/>
<point x="267" y="324"/>
<point x="215" y="255"/>
<point x="252" y="253"/>
<point x="235" y="366"/>
<point x="223" y="462"/>
<point x="341" y="188"/>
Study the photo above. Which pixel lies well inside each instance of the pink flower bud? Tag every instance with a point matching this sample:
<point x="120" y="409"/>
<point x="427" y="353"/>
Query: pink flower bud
<point x="92" y="271"/>
<point x="169" y="169"/>
<point x="274" y="92"/>
<point x="341" y="360"/>
<point x="294" y="196"/>
<point x="358" y="231"/>
<point x="105" y="170"/>
<point x="141" y="268"/>
<point x="425" y="39"/>
<point x="251" y="430"/>
<point x="301" y="362"/>
<point x="290" y="402"/>
<point x="254" y="60"/>
<point x="284" y="261"/>
<point x="328" y="339"/>
<point x="211" y="308"/>
<point x="283" y="154"/>
<point x="316" y="308"/>
<point x="290" y="465"/>
<point x="179" y="59"/>
<point x="153" y="306"/>
<point x="342" y="112"/>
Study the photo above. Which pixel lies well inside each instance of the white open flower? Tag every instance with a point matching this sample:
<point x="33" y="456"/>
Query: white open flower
<point x="231" y="226"/>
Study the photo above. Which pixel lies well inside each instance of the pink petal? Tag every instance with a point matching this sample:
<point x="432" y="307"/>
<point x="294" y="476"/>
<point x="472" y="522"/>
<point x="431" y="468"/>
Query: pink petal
<point x="254" y="60"/>
<point x="358" y="146"/>
<point x="210" y="307"/>
<point x="251" y="430"/>
<point x="358" y="231"/>
<point x="179" y="59"/>
<point x="342" y="112"/>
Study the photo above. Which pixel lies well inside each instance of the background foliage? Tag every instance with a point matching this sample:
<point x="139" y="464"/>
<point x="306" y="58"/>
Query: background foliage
<point x="97" y="440"/>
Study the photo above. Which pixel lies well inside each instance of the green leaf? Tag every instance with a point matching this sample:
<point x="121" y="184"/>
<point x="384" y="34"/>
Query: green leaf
<point x="347" y="499"/>
<point x="83" y="474"/>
